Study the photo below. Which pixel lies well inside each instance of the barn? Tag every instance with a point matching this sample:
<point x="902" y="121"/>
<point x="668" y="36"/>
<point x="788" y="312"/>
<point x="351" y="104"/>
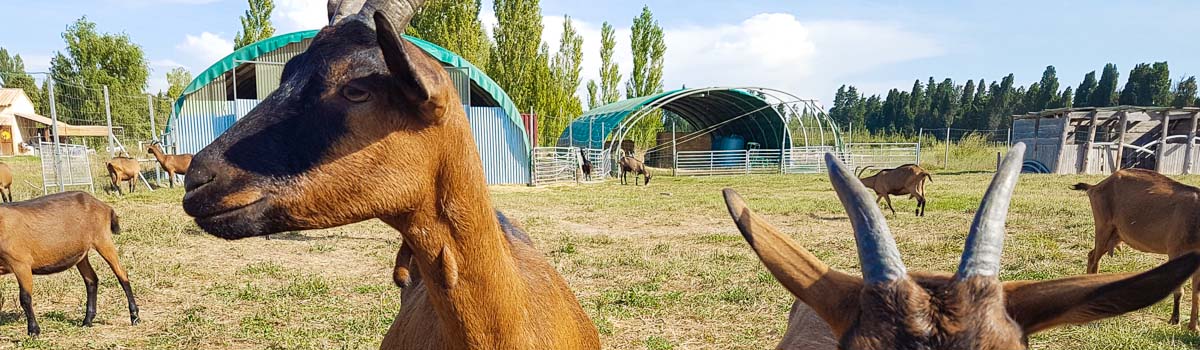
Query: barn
<point x="1101" y="140"/>
<point x="231" y="87"/>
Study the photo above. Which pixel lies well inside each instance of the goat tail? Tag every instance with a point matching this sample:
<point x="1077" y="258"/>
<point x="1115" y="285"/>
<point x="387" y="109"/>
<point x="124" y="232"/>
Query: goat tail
<point x="928" y="176"/>
<point x="1081" y="187"/>
<point x="114" y="223"/>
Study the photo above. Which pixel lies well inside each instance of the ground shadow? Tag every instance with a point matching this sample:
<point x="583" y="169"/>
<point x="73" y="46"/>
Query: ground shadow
<point x="965" y="172"/>
<point x="828" y="218"/>
<point x="1190" y="339"/>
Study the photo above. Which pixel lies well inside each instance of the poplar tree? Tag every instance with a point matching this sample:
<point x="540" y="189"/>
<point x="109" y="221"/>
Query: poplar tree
<point x="256" y="23"/>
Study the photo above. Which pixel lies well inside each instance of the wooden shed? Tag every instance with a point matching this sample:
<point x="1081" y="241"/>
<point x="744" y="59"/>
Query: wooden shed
<point x="1100" y="140"/>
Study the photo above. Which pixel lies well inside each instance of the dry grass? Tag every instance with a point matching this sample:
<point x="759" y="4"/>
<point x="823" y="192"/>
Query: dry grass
<point x="657" y="267"/>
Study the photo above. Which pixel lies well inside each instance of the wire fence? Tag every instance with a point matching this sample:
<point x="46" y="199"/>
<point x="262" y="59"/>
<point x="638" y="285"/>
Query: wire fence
<point x="946" y="149"/>
<point x="108" y="121"/>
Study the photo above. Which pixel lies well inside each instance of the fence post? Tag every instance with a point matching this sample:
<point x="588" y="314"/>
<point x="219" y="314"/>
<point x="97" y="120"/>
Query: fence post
<point x="54" y="132"/>
<point x="108" y="116"/>
<point x="1162" y="144"/>
<point x="920" y="137"/>
<point x="747" y="160"/>
<point x="1189" y="152"/>
<point x="675" y="150"/>
<point x="946" y="165"/>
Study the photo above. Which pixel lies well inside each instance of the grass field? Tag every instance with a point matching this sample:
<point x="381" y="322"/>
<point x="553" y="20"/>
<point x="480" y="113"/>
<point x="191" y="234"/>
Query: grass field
<point x="658" y="267"/>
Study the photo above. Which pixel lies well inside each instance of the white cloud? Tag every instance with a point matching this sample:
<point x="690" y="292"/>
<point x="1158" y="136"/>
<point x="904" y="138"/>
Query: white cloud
<point x="297" y="15"/>
<point x="166" y="64"/>
<point x="205" y="48"/>
<point x="774" y="50"/>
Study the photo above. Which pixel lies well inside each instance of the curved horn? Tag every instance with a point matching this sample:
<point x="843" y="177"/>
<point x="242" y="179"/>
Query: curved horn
<point x="339" y="9"/>
<point x="981" y="256"/>
<point x="398" y="12"/>
<point x="877" y="251"/>
<point x="861" y="171"/>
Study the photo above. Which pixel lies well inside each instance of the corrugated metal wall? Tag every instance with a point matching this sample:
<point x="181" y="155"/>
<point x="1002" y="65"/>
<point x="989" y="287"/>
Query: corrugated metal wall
<point x="200" y="122"/>
<point x="267" y="76"/>
<point x="500" y="146"/>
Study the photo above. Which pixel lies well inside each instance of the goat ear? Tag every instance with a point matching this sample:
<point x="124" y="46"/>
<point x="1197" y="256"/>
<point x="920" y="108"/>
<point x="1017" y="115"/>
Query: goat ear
<point x="419" y="80"/>
<point x="832" y="294"/>
<point x="1037" y="306"/>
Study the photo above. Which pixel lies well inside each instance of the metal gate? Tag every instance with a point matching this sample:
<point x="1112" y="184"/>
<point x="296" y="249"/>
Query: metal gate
<point x="65" y="165"/>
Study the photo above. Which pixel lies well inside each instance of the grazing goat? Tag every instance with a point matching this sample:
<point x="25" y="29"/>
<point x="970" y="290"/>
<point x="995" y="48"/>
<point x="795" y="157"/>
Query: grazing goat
<point x="52" y="233"/>
<point x="6" y="179"/>
<point x="629" y="164"/>
<point x="173" y="164"/>
<point x="906" y="179"/>
<point x="891" y="308"/>
<point x="382" y="135"/>
<point x="123" y="169"/>
<point x="1151" y="213"/>
<point x="586" y="165"/>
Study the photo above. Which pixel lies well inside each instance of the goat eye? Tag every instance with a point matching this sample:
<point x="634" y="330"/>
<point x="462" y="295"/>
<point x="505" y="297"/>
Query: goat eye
<point x="355" y="94"/>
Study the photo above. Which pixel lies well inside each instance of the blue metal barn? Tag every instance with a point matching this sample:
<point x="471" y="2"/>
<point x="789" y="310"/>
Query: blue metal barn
<point x="231" y="87"/>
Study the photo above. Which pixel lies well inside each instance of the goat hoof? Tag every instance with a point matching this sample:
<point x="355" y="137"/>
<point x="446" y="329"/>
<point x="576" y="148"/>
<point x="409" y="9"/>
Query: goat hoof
<point x="34" y="331"/>
<point x="134" y="320"/>
<point x="1173" y="320"/>
<point x="86" y="324"/>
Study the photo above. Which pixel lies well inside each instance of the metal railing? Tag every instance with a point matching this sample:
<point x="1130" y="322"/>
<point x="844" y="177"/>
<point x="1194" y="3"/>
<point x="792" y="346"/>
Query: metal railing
<point x="65" y="165"/>
<point x="882" y="155"/>
<point x="735" y="162"/>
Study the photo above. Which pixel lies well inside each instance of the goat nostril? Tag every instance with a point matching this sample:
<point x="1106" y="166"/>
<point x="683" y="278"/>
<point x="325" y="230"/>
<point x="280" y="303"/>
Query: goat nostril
<point x="197" y="176"/>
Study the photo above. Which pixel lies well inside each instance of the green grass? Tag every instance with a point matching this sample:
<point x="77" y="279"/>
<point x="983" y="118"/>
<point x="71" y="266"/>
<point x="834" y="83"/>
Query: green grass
<point x="653" y="271"/>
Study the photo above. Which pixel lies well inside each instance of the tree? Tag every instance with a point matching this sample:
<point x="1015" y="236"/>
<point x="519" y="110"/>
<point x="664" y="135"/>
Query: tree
<point x="177" y="80"/>
<point x="1106" y="91"/>
<point x="256" y="23"/>
<point x="593" y="94"/>
<point x="1065" y="100"/>
<point x="564" y="71"/>
<point x="91" y="61"/>
<point x="1083" y="94"/>
<point x="1148" y="85"/>
<point x="646" y="40"/>
<point x="645" y="79"/>
<point x="515" y="62"/>
<point x="1185" y="93"/>
<point x="454" y="25"/>
<point x="13" y="75"/>
<point x="1048" y="94"/>
<point x="610" y="73"/>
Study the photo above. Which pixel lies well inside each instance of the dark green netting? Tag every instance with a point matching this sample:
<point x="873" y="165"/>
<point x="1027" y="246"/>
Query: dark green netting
<point x="737" y="112"/>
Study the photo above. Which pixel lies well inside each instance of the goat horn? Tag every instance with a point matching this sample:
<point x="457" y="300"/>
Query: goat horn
<point x="981" y="256"/>
<point x="398" y="12"/>
<point x="877" y="251"/>
<point x="339" y="9"/>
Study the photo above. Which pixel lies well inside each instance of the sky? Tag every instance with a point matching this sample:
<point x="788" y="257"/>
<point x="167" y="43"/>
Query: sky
<point x="807" y="48"/>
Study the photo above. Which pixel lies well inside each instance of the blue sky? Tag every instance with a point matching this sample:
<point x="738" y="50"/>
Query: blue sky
<point x="805" y="47"/>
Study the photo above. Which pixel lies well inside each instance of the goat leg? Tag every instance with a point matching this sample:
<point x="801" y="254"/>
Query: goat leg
<point x="24" y="275"/>
<point x="91" y="282"/>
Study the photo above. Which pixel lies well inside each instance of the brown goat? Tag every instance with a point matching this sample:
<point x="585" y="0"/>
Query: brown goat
<point x="1151" y="213"/>
<point x="906" y="179"/>
<point x="123" y="169"/>
<point x="382" y="135"/>
<point x="173" y="164"/>
<point x="629" y="164"/>
<point x="53" y="233"/>
<point x="891" y="308"/>
<point x="6" y="180"/>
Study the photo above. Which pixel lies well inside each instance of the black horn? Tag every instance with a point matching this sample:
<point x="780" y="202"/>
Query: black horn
<point x="877" y="251"/>
<point x="981" y="256"/>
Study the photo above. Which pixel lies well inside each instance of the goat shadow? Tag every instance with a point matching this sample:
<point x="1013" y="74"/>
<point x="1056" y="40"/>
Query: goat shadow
<point x="828" y="218"/>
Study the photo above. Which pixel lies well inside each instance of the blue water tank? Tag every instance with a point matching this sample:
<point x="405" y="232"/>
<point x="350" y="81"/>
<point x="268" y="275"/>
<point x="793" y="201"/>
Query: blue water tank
<point x="729" y="143"/>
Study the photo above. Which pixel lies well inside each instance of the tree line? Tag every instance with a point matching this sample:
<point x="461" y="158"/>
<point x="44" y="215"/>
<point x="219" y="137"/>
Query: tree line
<point x="539" y="81"/>
<point x="978" y="104"/>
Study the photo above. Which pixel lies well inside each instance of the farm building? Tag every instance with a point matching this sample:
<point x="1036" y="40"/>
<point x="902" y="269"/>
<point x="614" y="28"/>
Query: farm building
<point x="20" y="125"/>
<point x="713" y="130"/>
<point x="1102" y="140"/>
<point x="231" y="87"/>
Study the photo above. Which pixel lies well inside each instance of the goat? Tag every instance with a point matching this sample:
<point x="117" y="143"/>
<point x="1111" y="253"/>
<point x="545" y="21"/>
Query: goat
<point x="1151" y="213"/>
<point x="6" y="180"/>
<point x="906" y="179"/>
<point x="891" y="308"/>
<point x="629" y="164"/>
<point x="382" y="135"/>
<point x="123" y="169"/>
<point x="586" y="165"/>
<point x="173" y="164"/>
<point x="50" y="234"/>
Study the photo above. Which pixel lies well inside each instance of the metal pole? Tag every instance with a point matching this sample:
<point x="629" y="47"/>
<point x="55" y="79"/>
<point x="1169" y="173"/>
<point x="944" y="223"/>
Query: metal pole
<point x="675" y="151"/>
<point x="54" y="132"/>
<point x="591" y="121"/>
<point x="920" y="137"/>
<point x="1188" y="162"/>
<point x="235" y="104"/>
<point x="153" y="130"/>
<point x="108" y="115"/>
<point x="946" y="165"/>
